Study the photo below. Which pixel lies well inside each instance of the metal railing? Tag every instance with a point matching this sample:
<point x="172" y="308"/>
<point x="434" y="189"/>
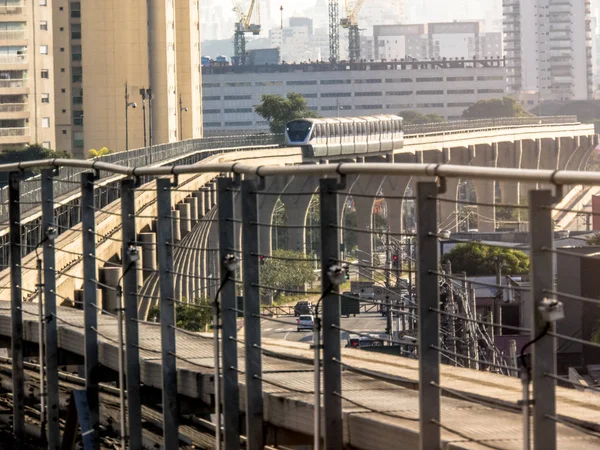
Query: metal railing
<point x="197" y="252"/>
<point x="16" y="131"/>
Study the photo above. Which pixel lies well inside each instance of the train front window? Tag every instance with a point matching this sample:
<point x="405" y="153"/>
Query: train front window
<point x="298" y="130"/>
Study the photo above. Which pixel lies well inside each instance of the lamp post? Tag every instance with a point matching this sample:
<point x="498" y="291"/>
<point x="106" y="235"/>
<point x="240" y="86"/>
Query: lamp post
<point x="143" y="94"/>
<point x="181" y="111"/>
<point x="150" y="97"/>
<point x="128" y="105"/>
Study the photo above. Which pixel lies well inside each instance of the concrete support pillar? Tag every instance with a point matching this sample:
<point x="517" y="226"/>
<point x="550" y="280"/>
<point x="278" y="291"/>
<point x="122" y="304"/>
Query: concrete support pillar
<point x="79" y="299"/>
<point x="486" y="193"/>
<point x="199" y="196"/>
<point x="185" y="223"/>
<point x="364" y="216"/>
<point x="510" y="156"/>
<point x="207" y="199"/>
<point x="176" y="229"/>
<point x="297" y="236"/>
<point x="193" y="202"/>
<point x="110" y="277"/>
<point x="148" y="244"/>
<point x="213" y="193"/>
<point x="296" y="208"/>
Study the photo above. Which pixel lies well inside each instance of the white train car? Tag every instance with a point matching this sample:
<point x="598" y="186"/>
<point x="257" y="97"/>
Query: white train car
<point x="346" y="136"/>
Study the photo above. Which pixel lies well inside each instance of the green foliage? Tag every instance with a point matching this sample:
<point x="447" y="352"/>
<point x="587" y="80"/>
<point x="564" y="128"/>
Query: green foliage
<point x="30" y="153"/>
<point x="188" y="317"/>
<point x="414" y="117"/>
<point x="282" y="274"/>
<point x="93" y="153"/>
<point x="593" y="240"/>
<point x="596" y="334"/>
<point x="279" y="110"/>
<point x="478" y="259"/>
<point x="495" y="108"/>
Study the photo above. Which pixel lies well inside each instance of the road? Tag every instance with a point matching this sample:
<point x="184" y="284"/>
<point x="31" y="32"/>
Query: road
<point x="363" y="323"/>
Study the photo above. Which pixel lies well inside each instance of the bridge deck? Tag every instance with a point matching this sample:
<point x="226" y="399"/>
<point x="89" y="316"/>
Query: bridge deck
<point x="377" y="414"/>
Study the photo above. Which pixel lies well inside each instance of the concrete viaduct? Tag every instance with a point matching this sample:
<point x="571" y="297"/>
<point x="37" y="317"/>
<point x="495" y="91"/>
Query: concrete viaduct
<point x="543" y="146"/>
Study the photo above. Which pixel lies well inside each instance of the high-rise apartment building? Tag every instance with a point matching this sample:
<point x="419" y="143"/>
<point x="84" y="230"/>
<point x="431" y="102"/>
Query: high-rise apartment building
<point x="104" y="47"/>
<point x="26" y="74"/>
<point x="548" y="48"/>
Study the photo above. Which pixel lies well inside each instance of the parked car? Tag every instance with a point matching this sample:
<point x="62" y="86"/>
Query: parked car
<point x="303" y="307"/>
<point x="305" y="322"/>
<point x="357" y="341"/>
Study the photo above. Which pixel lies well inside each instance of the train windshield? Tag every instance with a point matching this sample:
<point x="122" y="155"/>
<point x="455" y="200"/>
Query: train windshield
<point x="297" y="130"/>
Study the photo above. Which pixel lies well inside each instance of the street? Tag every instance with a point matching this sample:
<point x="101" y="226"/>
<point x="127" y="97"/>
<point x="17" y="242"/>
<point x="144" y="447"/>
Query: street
<point x="363" y="323"/>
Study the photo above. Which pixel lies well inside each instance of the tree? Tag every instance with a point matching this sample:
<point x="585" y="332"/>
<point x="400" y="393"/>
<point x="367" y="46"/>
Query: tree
<point x="478" y="259"/>
<point x="192" y="317"/>
<point x="93" y="153"/>
<point x="284" y="271"/>
<point x="593" y="240"/>
<point x="31" y="153"/>
<point x="279" y="110"/>
<point x="416" y="118"/>
<point x="495" y="108"/>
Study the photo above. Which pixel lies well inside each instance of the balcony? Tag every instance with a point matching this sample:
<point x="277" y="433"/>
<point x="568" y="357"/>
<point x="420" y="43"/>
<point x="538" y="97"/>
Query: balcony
<point x="20" y="60"/>
<point x="18" y="135"/>
<point x="13" y="107"/>
<point x="16" y="9"/>
<point x="13" y="84"/>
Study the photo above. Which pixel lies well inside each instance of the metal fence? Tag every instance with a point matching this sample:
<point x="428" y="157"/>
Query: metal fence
<point x="211" y="239"/>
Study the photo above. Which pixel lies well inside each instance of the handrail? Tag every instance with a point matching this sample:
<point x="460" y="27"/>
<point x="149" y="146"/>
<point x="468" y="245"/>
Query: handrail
<point x="556" y="177"/>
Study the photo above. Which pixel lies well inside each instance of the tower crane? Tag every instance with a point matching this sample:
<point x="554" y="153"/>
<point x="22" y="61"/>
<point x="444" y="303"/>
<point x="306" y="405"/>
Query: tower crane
<point x="350" y="22"/>
<point x="244" y="25"/>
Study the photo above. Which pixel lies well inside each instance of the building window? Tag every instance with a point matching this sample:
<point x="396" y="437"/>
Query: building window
<point x="77" y="74"/>
<point x="238" y="97"/>
<point x="44" y="73"/>
<point x="429" y="79"/>
<point x="75" y="10"/>
<point x="44" y="49"/>
<point x="335" y="81"/>
<point x="211" y="111"/>
<point x="301" y="82"/>
<point x="311" y="95"/>
<point x="45" y="122"/>
<point x="238" y="110"/>
<point x="461" y="91"/>
<point x="76" y="31"/>
<point x="490" y="91"/>
<point x="239" y="84"/>
<point x="64" y="131"/>
<point x="398" y="80"/>
<point x="238" y="124"/>
<point x="211" y="97"/>
<point x="368" y="107"/>
<point x="430" y="92"/>
<point x="43" y="25"/>
<point x="460" y="79"/>
<point x="459" y="105"/>
<point x="368" y="94"/>
<point x="336" y="94"/>
<point x="78" y="139"/>
<point x="399" y="93"/>
<point x="211" y="85"/>
<point x="45" y="98"/>
<point x="43" y="2"/>
<point x="76" y="53"/>
<point x="46" y="144"/>
<point x="212" y="124"/>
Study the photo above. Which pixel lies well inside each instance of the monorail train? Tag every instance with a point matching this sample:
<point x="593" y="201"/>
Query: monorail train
<point x="352" y="136"/>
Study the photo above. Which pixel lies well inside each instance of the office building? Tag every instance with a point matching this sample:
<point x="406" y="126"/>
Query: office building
<point x="26" y="74"/>
<point x="436" y="41"/>
<point x="548" y="47"/>
<point x="149" y="45"/>
<point x="446" y="88"/>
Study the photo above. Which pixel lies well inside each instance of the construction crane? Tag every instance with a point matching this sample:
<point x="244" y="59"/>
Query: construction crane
<point x="350" y="22"/>
<point x="334" y="31"/>
<point x="243" y="26"/>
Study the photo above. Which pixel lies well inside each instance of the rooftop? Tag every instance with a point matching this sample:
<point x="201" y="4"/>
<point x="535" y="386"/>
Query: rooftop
<point x="445" y="63"/>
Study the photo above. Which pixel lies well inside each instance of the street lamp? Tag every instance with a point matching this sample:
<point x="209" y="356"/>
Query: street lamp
<point x="128" y="105"/>
<point x="143" y="94"/>
<point x="181" y="111"/>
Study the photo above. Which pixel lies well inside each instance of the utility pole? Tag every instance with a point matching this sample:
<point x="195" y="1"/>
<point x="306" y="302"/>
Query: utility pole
<point x="150" y="98"/>
<point x="499" y="296"/>
<point x="451" y="308"/>
<point x="143" y="94"/>
<point x="473" y="326"/>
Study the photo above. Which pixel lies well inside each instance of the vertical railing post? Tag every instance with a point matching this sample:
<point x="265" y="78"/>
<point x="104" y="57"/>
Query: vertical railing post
<point x="231" y="397"/>
<point x="250" y="246"/>
<point x="130" y="258"/>
<point x="544" y="350"/>
<point x="90" y="313"/>
<point x="167" y="313"/>
<point x="429" y="320"/>
<point x="50" y="232"/>
<point x="16" y="339"/>
<point x="332" y="371"/>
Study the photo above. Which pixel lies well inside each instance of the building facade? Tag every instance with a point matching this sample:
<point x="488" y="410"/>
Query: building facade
<point x="446" y="88"/>
<point x="150" y="45"/>
<point x="548" y="47"/>
<point x="436" y="41"/>
<point x="26" y="74"/>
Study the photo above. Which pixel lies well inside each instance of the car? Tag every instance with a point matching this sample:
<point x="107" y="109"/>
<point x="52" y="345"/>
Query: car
<point x="358" y="341"/>
<point x="303" y="307"/>
<point x="305" y="322"/>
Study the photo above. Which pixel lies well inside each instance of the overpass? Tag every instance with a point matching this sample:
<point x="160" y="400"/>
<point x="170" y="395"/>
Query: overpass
<point x="369" y="402"/>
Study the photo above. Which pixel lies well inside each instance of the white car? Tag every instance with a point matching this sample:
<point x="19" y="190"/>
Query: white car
<point x="305" y="322"/>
